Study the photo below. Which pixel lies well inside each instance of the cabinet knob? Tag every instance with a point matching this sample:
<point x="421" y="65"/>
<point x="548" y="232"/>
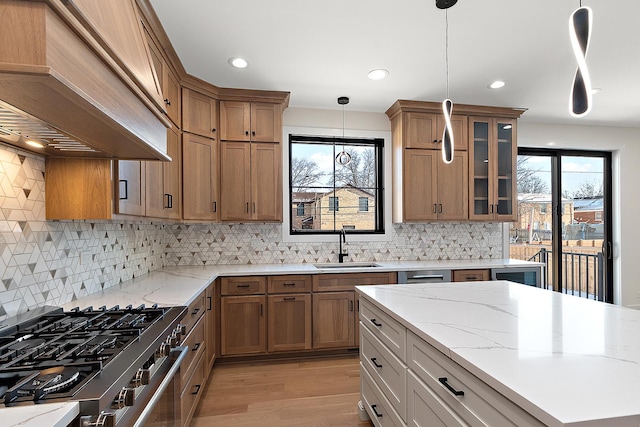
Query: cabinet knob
<point x="213" y="130"/>
<point x="167" y="102"/>
<point x="246" y="132"/>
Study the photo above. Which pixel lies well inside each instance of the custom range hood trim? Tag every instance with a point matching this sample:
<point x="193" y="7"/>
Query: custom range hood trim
<point x="55" y="74"/>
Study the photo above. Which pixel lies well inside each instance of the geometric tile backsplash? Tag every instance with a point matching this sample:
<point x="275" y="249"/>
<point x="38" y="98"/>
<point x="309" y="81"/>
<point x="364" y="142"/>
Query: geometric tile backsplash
<point x="54" y="262"/>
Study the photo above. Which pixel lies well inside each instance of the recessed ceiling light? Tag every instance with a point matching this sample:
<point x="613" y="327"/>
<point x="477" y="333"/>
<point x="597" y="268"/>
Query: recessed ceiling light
<point x="238" y="62"/>
<point x="497" y="84"/>
<point x="595" y="90"/>
<point x="34" y="144"/>
<point x="378" y="74"/>
<point x="551" y="143"/>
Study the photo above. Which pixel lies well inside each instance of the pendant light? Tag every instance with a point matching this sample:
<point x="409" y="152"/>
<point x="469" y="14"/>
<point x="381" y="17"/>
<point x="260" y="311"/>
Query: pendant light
<point x="580" y="24"/>
<point x="448" y="142"/>
<point x="343" y="158"/>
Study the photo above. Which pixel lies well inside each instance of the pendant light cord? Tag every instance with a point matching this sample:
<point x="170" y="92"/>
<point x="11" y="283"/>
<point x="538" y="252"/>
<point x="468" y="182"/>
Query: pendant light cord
<point x="446" y="47"/>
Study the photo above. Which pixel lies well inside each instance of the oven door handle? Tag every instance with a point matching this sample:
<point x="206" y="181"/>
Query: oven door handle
<point x="163" y="385"/>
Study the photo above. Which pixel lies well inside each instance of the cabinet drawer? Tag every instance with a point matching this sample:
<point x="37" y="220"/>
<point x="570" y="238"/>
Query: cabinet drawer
<point x="378" y="407"/>
<point x="288" y="284"/>
<point x="389" y="373"/>
<point x="480" y="404"/>
<point x="389" y="331"/>
<point x="347" y="281"/>
<point x="243" y="285"/>
<point x="196" y="344"/>
<point x="195" y="310"/>
<point x="191" y="392"/>
<point x="426" y="409"/>
<point x="471" y="275"/>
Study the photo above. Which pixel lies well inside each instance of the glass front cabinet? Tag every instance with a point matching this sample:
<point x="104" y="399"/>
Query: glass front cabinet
<point x="492" y="169"/>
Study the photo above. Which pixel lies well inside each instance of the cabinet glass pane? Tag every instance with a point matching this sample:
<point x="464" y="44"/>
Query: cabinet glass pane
<point x="481" y="168"/>
<point x="505" y="167"/>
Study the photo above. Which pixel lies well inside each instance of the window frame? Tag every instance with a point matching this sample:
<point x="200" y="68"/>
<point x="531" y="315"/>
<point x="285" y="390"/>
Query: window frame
<point x="379" y="195"/>
<point x="366" y="204"/>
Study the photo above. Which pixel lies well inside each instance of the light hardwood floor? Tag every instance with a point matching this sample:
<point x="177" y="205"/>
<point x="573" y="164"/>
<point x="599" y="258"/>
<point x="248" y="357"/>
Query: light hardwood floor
<point x="320" y="392"/>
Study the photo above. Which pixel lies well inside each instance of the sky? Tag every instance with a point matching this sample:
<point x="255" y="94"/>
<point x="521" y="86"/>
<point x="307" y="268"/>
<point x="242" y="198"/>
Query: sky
<point x="575" y="170"/>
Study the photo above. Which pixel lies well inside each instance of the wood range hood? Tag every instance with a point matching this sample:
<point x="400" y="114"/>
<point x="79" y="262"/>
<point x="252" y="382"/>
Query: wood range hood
<point x="77" y="77"/>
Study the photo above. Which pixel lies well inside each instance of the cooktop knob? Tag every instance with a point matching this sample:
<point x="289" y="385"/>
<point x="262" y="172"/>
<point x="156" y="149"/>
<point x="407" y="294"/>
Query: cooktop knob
<point x="126" y="397"/>
<point x="164" y="349"/>
<point x="141" y="378"/>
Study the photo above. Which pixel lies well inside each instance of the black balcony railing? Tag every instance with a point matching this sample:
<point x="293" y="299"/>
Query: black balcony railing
<point x="583" y="274"/>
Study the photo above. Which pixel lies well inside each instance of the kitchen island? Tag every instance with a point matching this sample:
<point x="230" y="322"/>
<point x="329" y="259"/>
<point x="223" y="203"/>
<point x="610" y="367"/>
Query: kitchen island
<point x="516" y="352"/>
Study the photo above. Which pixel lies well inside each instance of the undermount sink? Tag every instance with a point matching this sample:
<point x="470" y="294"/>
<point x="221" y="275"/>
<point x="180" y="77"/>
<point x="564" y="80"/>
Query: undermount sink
<point x="348" y="265"/>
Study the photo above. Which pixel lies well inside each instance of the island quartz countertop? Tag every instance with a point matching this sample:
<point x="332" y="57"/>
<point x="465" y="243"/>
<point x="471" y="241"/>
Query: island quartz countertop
<point x="564" y="359"/>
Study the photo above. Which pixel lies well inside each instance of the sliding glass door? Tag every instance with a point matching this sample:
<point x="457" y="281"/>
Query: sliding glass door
<point x="564" y="219"/>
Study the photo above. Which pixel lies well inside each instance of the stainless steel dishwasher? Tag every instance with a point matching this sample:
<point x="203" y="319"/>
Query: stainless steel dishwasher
<point x="424" y="276"/>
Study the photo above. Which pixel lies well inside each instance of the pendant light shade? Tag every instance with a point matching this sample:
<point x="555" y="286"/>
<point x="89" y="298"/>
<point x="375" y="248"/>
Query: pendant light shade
<point x="343" y="158"/>
<point x="580" y="25"/>
<point x="447" y="134"/>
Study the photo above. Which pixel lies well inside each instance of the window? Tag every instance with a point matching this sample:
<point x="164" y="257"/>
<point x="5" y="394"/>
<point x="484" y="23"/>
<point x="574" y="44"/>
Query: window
<point x="543" y="208"/>
<point x="333" y="204"/>
<point x="300" y="209"/>
<point x="335" y="196"/>
<point x="363" y="204"/>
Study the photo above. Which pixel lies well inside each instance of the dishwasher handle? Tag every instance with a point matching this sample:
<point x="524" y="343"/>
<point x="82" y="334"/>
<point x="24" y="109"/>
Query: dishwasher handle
<point x="424" y="276"/>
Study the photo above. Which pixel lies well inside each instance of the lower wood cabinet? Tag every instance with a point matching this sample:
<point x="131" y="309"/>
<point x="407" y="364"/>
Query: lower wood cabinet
<point x="243" y="324"/>
<point x="289" y="325"/>
<point x="210" y="326"/>
<point x="470" y="275"/>
<point x="192" y="391"/>
<point x="333" y="319"/>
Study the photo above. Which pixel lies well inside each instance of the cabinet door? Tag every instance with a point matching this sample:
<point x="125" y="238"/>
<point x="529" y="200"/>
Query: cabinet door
<point x="266" y="122"/>
<point x="420" y="184"/>
<point x="210" y="326"/>
<point x="460" y="127"/>
<point x="453" y="193"/>
<point x="235" y="181"/>
<point x="480" y="161"/>
<point x="505" y="169"/>
<point x="289" y="322"/>
<point x="235" y="121"/>
<point x="172" y="101"/>
<point x="130" y="189"/>
<point x="199" y="113"/>
<point x="333" y="320"/>
<point x="243" y="325"/>
<point x="266" y="182"/>
<point x="164" y="182"/>
<point x="420" y="130"/>
<point x="200" y="174"/>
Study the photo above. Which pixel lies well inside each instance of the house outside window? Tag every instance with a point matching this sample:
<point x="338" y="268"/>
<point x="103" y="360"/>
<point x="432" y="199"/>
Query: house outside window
<point x="335" y="196"/>
<point x="363" y="204"/>
<point x="333" y="204"/>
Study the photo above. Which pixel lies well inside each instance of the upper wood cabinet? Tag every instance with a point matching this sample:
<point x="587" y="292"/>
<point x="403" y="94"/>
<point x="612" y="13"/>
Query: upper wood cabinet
<point x="250" y="121"/>
<point x="199" y="114"/>
<point x="167" y="83"/>
<point x="427" y="189"/>
<point x="492" y="168"/>
<point x="434" y="190"/>
<point x="78" y="189"/>
<point x="163" y="182"/>
<point x="200" y="177"/>
<point x="130" y="187"/>
<point x="424" y="130"/>
<point x="250" y="181"/>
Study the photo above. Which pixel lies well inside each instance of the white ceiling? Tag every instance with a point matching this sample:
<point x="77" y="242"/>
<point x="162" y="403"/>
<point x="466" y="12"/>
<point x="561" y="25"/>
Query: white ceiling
<point x="319" y="50"/>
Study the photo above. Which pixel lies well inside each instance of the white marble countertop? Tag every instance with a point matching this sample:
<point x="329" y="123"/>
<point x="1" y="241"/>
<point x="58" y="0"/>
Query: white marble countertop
<point x="564" y="359"/>
<point x="46" y="414"/>
<point x="173" y="286"/>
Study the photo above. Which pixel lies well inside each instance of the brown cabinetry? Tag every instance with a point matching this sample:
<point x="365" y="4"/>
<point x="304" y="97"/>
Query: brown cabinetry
<point x="250" y="121"/>
<point x="289" y="325"/>
<point x="211" y="332"/>
<point x="335" y="307"/>
<point x="470" y="275"/>
<point x="199" y="114"/>
<point x="434" y="190"/>
<point x="243" y="324"/>
<point x="167" y="82"/>
<point x="250" y="181"/>
<point x="163" y="182"/>
<point x="492" y="168"/>
<point x="130" y="187"/>
<point x="200" y="177"/>
<point x="427" y="189"/>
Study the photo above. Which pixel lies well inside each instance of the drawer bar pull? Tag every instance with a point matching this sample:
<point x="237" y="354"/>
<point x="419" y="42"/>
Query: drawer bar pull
<point x="375" y="362"/>
<point x="288" y="284"/>
<point x="196" y="347"/>
<point x="242" y="286"/>
<point x="375" y="411"/>
<point x="195" y="311"/>
<point x="196" y="389"/>
<point x="289" y="298"/>
<point x="455" y="392"/>
<point x="376" y="323"/>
